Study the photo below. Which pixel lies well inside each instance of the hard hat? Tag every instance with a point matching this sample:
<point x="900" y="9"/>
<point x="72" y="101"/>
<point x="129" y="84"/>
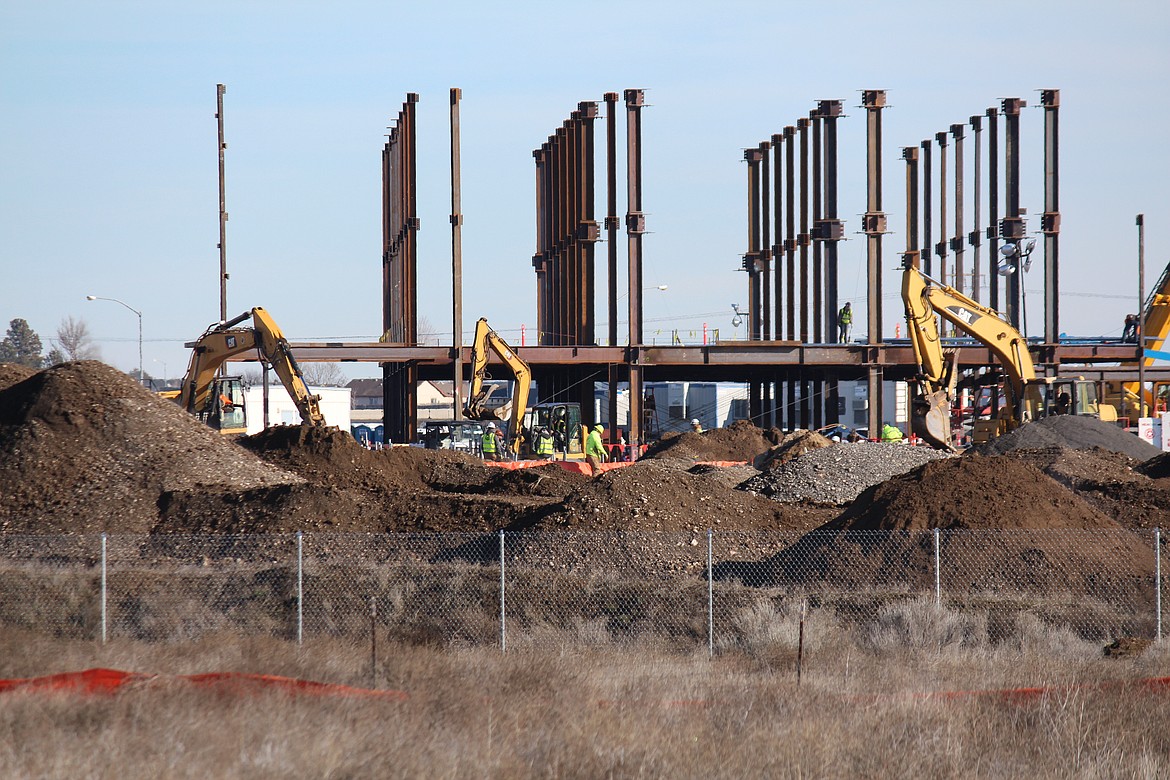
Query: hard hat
<point x="695" y="421"/>
<point x="599" y="427"/>
<point x="491" y="426"/>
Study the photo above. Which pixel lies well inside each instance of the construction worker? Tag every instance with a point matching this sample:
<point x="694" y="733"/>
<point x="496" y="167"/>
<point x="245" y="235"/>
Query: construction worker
<point x="696" y="426"/>
<point x="544" y="444"/>
<point x="891" y="433"/>
<point x="844" y="323"/>
<point x="594" y="448"/>
<point x="490" y="442"/>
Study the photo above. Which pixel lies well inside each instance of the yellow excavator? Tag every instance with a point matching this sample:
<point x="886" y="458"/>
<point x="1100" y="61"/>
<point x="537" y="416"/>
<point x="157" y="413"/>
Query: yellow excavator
<point x="1155" y="327"/>
<point x="476" y="409"/>
<point x="219" y="400"/>
<point x="563" y="420"/>
<point x="1026" y="396"/>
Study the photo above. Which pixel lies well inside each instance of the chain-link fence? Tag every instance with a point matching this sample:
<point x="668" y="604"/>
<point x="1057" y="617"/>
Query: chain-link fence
<point x="697" y="590"/>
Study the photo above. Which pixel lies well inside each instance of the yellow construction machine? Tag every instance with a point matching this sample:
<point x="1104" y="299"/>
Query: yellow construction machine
<point x="562" y="419"/>
<point x="219" y="400"/>
<point x="1026" y="396"/>
<point x="1155" y="327"/>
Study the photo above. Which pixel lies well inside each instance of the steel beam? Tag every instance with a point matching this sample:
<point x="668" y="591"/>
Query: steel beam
<point x="958" y="241"/>
<point x="456" y="256"/>
<point x="975" y="237"/>
<point x="1050" y="222"/>
<point x="635" y="227"/>
<point x="874" y="101"/>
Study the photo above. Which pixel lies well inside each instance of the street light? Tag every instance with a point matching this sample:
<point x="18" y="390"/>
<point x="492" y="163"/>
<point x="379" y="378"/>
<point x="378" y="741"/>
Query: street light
<point x="131" y="308"/>
<point x="737" y="320"/>
<point x="1017" y="259"/>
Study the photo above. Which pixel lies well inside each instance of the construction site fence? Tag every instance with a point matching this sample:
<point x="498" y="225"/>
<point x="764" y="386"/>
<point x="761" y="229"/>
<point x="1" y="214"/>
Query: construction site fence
<point x="702" y="590"/>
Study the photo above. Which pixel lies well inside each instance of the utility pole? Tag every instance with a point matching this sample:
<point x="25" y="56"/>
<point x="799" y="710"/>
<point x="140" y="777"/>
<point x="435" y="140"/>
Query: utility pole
<point x="223" y="215"/>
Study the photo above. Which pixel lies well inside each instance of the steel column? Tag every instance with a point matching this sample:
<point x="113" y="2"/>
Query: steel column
<point x="635" y="227"/>
<point x="992" y="231"/>
<point x="831" y="231"/>
<point x="1012" y="225"/>
<point x="611" y="228"/>
<point x="1050" y="222"/>
<point x="927" y="251"/>
<point x="456" y="256"/>
<point x="957" y="241"/>
<point x="940" y="248"/>
<point x="875" y="225"/>
<point x="223" y="215"/>
<point x="975" y="237"/>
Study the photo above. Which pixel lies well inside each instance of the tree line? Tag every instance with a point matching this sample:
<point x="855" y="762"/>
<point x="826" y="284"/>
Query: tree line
<point x="22" y="345"/>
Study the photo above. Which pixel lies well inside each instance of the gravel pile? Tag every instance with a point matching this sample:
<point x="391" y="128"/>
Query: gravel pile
<point x="838" y="474"/>
<point x="1074" y="433"/>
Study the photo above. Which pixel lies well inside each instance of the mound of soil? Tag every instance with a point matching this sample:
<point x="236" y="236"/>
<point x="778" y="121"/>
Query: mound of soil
<point x="661" y="495"/>
<point x="11" y="373"/>
<point x="84" y="448"/>
<point x="740" y="441"/>
<point x="792" y="446"/>
<point x="967" y="493"/>
<point x="1035" y="535"/>
<point x="1074" y="433"/>
<point x="1114" y="484"/>
<point x="1157" y="467"/>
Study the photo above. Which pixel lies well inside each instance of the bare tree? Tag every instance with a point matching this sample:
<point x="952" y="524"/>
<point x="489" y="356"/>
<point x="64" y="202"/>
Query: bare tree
<point x="324" y="374"/>
<point x="75" y="342"/>
<point x="427" y="333"/>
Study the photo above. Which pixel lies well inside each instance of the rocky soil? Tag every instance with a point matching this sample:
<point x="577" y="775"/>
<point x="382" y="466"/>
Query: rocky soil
<point x="84" y="449"/>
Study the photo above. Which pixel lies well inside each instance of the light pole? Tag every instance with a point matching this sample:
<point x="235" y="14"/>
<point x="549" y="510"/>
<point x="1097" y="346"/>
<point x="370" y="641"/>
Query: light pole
<point x="1017" y="259"/>
<point x="131" y="308"/>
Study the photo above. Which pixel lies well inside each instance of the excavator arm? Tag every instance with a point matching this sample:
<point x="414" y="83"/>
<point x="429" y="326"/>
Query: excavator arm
<point x="487" y="340"/>
<point x="223" y="341"/>
<point x="924" y="298"/>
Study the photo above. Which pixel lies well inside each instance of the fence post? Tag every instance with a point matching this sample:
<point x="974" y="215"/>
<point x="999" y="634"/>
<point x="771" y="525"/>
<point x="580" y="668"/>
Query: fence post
<point x="937" y="575"/>
<point x="1158" y="580"/>
<point x="710" y="598"/>
<point x="503" y="633"/>
<point x="300" y="588"/>
<point x="103" y="588"/>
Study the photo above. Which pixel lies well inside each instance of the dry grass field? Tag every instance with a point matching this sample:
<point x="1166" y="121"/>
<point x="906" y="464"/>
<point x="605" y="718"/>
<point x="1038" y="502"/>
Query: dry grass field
<point x="866" y="706"/>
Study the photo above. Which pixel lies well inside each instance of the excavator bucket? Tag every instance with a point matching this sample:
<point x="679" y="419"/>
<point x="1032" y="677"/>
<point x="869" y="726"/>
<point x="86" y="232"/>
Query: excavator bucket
<point x="931" y="420"/>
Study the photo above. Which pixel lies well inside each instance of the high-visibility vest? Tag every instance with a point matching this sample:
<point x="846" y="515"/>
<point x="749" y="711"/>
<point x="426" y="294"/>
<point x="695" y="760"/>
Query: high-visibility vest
<point x="544" y="445"/>
<point x="845" y="316"/>
<point x="489" y="443"/>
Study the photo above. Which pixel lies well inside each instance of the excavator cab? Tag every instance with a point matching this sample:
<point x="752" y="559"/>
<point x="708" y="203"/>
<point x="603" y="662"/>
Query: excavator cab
<point x="1049" y="396"/>
<point x="564" y="421"/>
<point x="225" y="410"/>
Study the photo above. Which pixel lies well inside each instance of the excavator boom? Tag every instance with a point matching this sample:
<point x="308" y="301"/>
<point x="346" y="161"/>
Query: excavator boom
<point x="487" y="340"/>
<point x="223" y="341"/>
<point x="924" y="298"/>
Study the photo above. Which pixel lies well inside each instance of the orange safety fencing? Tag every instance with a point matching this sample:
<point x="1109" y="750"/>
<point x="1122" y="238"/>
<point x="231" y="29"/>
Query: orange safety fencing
<point x="581" y="467"/>
<point x="110" y="681"/>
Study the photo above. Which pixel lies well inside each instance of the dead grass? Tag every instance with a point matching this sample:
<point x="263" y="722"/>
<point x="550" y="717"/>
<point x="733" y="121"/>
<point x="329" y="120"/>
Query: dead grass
<point x="606" y="711"/>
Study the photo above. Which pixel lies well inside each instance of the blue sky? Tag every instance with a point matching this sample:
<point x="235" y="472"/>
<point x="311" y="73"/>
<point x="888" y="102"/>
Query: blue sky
<point x="108" y="181"/>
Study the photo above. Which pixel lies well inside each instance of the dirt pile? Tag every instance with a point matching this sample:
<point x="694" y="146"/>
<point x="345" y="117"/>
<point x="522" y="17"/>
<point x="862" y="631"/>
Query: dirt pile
<point x="84" y="448"/>
<point x="662" y="495"/>
<point x="970" y="492"/>
<point x="11" y="373"/>
<point x="740" y="441"/>
<point x="1114" y="484"/>
<point x="1045" y="536"/>
<point x="1074" y="433"/>
<point x="837" y="473"/>
<point x="790" y="447"/>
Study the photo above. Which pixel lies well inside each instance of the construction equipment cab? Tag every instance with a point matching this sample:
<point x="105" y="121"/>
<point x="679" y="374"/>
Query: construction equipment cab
<point x="1026" y="396"/>
<point x="219" y="400"/>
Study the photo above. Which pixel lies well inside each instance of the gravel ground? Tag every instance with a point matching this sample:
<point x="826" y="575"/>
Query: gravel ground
<point x="838" y="474"/>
